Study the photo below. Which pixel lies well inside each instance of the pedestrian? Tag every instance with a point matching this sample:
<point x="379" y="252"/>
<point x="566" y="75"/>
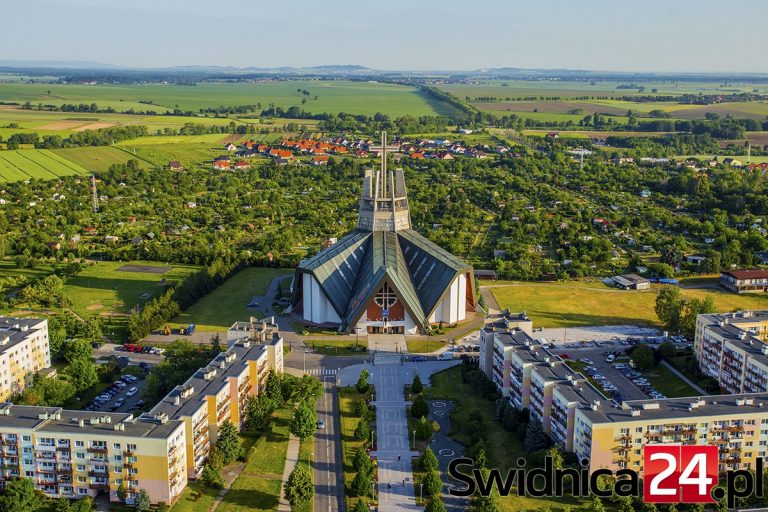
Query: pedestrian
<point x="403" y="482"/>
<point x="389" y="485"/>
<point x="398" y="458"/>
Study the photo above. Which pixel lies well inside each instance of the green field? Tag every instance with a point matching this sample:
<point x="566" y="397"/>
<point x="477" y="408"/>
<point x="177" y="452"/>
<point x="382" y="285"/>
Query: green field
<point x="8" y="269"/>
<point x="103" y="290"/>
<point x="226" y="305"/>
<point x="332" y="96"/>
<point x="578" y="303"/>
<point x="25" y="164"/>
<point x="668" y="383"/>
<point x="97" y="158"/>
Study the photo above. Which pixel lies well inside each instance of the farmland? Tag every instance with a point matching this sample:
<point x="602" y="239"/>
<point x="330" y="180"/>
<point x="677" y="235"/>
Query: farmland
<point x="332" y="96"/>
<point x="36" y="163"/>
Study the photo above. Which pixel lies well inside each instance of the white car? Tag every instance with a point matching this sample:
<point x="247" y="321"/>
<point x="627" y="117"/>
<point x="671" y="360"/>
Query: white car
<point x="587" y="361"/>
<point x="132" y="391"/>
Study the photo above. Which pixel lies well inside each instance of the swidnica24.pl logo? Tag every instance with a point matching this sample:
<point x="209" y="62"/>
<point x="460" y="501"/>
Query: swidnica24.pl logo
<point x="671" y="474"/>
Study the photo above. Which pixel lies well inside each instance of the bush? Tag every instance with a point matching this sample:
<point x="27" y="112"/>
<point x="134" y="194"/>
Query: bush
<point x="299" y="488"/>
<point x="416" y="386"/>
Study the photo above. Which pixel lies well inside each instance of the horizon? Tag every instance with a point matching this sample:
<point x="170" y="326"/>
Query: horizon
<point x="659" y="39"/>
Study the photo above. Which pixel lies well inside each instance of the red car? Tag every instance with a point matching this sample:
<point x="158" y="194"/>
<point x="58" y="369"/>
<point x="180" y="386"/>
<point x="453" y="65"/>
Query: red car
<point x="564" y="356"/>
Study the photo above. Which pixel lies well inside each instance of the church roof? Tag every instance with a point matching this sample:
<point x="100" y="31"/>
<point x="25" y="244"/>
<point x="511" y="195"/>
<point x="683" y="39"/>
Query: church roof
<point x="351" y="271"/>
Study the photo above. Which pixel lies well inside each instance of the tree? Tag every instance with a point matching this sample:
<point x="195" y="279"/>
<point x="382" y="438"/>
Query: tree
<point x="92" y="329"/>
<point x="19" y="495"/>
<point x="363" y="430"/>
<point x="84" y="504"/>
<point x="416" y="386"/>
<point x="361" y="485"/>
<point x="121" y="493"/>
<point x="362" y="462"/>
<point x="557" y="457"/>
<point x="78" y="349"/>
<point x="362" y="382"/>
<point x="642" y="357"/>
<point x="82" y="374"/>
<point x="360" y="506"/>
<point x="142" y="502"/>
<point x="667" y="350"/>
<point x="535" y="439"/>
<point x="211" y="474"/>
<point x="63" y="505"/>
<point x="597" y="504"/>
<point x="420" y="407"/>
<point x="361" y="408"/>
<point x="669" y="306"/>
<point x="432" y="483"/>
<point x="273" y="389"/>
<point x="228" y="443"/>
<point x="428" y="461"/>
<point x="435" y="505"/>
<point x="304" y="421"/>
<point x="258" y="409"/>
<point x="299" y="488"/>
<point x="488" y="503"/>
<point x="423" y="429"/>
<point x="162" y="507"/>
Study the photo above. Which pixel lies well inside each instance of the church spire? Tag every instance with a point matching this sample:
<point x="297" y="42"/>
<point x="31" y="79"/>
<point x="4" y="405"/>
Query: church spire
<point x="384" y="201"/>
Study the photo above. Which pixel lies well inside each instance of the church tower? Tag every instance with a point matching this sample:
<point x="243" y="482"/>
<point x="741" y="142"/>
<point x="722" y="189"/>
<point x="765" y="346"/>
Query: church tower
<point x="384" y="201"/>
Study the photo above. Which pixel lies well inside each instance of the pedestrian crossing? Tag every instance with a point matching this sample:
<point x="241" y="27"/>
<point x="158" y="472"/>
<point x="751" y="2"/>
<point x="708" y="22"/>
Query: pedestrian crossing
<point x="322" y="371"/>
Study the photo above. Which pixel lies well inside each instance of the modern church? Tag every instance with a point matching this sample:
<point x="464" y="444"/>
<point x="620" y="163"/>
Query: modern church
<point x="383" y="277"/>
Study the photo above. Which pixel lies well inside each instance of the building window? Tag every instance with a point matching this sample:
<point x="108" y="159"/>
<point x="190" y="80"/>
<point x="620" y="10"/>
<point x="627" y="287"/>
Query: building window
<point x="131" y="447"/>
<point x="29" y="474"/>
<point x="79" y="444"/>
<point x="386" y="297"/>
<point x="81" y="467"/>
<point x="26" y="439"/>
<point x="116" y="446"/>
<point x="82" y="492"/>
<point x="80" y="456"/>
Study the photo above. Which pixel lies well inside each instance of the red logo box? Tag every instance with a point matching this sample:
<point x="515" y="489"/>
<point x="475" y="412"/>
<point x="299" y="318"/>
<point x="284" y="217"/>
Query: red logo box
<point x="679" y="474"/>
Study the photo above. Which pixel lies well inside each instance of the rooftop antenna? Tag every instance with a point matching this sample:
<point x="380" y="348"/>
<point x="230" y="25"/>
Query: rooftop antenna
<point x="94" y="197"/>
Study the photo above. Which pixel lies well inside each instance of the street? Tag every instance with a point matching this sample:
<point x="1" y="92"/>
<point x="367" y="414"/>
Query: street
<point x="328" y="466"/>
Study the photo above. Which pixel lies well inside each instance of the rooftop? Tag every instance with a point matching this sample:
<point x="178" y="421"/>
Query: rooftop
<point x="747" y="274"/>
<point x="15" y="330"/>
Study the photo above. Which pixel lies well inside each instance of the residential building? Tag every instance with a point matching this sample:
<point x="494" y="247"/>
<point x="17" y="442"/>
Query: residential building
<point x="631" y="282"/>
<point x="744" y="281"/>
<point x="24" y="350"/>
<point x="499" y="323"/>
<point x="73" y="454"/>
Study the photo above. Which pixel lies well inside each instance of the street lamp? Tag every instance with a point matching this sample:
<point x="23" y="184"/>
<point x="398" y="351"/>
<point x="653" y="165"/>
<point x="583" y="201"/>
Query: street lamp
<point x="421" y="492"/>
<point x="373" y="490"/>
<point x="414" y="439"/>
<point x="305" y="361"/>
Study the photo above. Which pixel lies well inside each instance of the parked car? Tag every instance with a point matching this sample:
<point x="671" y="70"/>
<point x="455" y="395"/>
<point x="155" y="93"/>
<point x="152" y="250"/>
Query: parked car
<point x="320" y="424"/>
<point x="132" y="391"/>
<point x="419" y="359"/>
<point x="586" y="361"/>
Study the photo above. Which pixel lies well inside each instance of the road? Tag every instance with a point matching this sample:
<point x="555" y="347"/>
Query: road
<point x="328" y="466"/>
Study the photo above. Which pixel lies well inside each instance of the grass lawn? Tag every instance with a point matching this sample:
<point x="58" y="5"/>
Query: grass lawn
<point x="258" y="487"/>
<point x="97" y="158"/>
<point x="348" y="396"/>
<point x="503" y="446"/>
<point x="102" y="289"/>
<point x="218" y="310"/>
<point x="424" y="346"/>
<point x="579" y="303"/>
<point x="196" y="497"/>
<point x="306" y="451"/>
<point x="668" y="383"/>
<point x="8" y="269"/>
<point x="343" y="346"/>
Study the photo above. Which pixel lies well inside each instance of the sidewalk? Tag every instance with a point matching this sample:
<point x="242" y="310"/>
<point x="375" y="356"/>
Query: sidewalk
<point x="291" y="458"/>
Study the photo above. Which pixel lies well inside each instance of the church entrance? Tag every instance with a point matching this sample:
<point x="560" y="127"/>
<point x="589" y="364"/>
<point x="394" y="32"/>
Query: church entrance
<point x="377" y="329"/>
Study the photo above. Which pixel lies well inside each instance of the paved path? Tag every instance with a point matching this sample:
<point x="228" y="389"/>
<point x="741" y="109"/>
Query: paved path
<point x="291" y="458"/>
<point x="446" y="449"/>
<point x="684" y="378"/>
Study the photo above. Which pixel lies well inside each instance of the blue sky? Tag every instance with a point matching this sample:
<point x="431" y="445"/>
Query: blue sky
<point x="610" y="35"/>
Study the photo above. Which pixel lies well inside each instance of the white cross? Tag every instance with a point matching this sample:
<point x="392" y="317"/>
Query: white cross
<point x="384" y="149"/>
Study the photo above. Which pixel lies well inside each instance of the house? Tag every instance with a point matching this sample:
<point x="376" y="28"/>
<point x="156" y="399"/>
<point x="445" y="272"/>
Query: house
<point x="552" y="135"/>
<point x="762" y="257"/>
<point x="223" y="158"/>
<point x="89" y="230"/>
<point x="55" y="245"/>
<point x="464" y="131"/>
<point x="230" y="147"/>
<point x="631" y="282"/>
<point x="732" y="162"/>
<point x="221" y="164"/>
<point x="695" y="260"/>
<point x="645" y="193"/>
<point x="137" y="240"/>
<point x="241" y="166"/>
<point x="417" y="156"/>
<point x="319" y="160"/>
<point x="282" y="161"/>
<point x="745" y="281"/>
<point x="110" y="239"/>
<point x="174" y="165"/>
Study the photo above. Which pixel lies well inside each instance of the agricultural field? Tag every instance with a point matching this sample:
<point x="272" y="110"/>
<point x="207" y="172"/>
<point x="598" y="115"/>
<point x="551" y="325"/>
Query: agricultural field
<point x="228" y="303"/>
<point x="25" y="164"/>
<point x="581" y="303"/>
<point x="96" y="158"/>
<point x="332" y="96"/>
<point x="185" y="153"/>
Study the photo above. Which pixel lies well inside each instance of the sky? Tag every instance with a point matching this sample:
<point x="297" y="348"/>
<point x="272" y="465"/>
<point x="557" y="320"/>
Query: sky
<point x="601" y="35"/>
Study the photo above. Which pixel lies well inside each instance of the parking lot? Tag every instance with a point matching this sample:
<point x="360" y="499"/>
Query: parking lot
<point x="123" y="396"/>
<point x="616" y="377"/>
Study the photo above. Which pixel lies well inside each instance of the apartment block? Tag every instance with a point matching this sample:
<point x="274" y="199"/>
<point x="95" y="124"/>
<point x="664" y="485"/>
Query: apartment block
<point x="611" y="435"/>
<point x="77" y="453"/>
<point x="580" y="419"/>
<point x="24" y="350"/>
<point x="500" y="323"/>
<point x="731" y="348"/>
<point x="745" y="281"/>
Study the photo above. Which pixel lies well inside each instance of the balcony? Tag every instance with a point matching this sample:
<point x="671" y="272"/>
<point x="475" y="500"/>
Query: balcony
<point x="98" y="472"/>
<point x="97" y="449"/>
<point x="129" y="453"/>
<point x="99" y="487"/>
<point x="10" y="442"/>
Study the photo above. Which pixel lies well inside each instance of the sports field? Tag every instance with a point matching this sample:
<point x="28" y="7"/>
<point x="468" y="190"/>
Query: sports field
<point x="228" y="303"/>
<point x="580" y="303"/>
<point x="324" y="96"/>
